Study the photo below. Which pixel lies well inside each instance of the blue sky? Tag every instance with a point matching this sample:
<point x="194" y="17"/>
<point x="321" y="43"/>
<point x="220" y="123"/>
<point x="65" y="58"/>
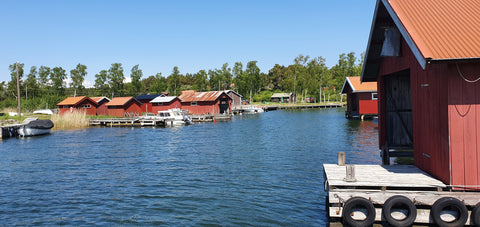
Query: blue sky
<point x="192" y="35"/>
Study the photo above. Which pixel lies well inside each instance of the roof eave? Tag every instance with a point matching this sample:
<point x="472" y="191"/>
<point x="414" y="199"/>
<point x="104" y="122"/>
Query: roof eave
<point x="372" y="68"/>
<point x="416" y="52"/>
<point x="369" y="40"/>
<point x="347" y="80"/>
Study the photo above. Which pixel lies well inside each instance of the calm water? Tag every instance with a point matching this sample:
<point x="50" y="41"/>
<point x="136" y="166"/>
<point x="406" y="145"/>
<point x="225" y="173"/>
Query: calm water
<point x="257" y="170"/>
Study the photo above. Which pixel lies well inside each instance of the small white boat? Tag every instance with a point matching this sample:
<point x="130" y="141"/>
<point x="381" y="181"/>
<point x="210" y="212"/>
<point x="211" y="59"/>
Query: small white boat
<point x="44" y="111"/>
<point x="35" y="127"/>
<point x="252" y="110"/>
<point x="175" y="117"/>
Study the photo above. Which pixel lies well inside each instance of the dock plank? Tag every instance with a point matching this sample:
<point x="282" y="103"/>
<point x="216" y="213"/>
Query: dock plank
<point x="381" y="176"/>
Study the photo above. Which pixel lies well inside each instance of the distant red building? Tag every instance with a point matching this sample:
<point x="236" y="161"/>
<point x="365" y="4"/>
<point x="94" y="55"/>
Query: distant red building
<point x="361" y="97"/>
<point x="124" y="107"/>
<point x="77" y="104"/>
<point x="101" y="105"/>
<point x="211" y="102"/>
<point x="164" y="103"/>
<point x="426" y="60"/>
<point x="145" y="100"/>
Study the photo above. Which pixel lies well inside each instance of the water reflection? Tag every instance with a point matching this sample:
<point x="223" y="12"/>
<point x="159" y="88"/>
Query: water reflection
<point x="363" y="141"/>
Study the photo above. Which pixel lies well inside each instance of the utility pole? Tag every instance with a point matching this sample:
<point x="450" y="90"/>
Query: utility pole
<point x="19" y="110"/>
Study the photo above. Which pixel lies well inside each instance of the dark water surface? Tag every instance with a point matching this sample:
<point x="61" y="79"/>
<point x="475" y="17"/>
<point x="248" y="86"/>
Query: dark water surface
<point x="256" y="170"/>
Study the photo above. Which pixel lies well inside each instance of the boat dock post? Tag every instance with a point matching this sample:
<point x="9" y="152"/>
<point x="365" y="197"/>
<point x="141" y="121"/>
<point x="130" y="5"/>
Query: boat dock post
<point x="364" y="194"/>
<point x="9" y="131"/>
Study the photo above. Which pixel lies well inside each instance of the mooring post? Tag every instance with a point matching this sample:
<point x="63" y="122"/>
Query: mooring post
<point x="341" y="158"/>
<point x="350" y="173"/>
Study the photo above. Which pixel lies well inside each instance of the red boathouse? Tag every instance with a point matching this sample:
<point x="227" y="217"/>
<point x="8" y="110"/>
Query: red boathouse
<point x="425" y="57"/>
<point x="211" y="102"/>
<point x="164" y="103"/>
<point x="124" y="107"/>
<point x="361" y="97"/>
<point x="101" y="104"/>
<point x="77" y="104"/>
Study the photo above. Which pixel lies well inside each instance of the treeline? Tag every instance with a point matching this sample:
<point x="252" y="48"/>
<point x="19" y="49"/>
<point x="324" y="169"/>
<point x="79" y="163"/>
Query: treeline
<point x="307" y="77"/>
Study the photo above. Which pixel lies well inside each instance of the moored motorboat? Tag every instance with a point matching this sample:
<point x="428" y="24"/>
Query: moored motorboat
<point x="35" y="127"/>
<point x="252" y="110"/>
<point x="175" y="117"/>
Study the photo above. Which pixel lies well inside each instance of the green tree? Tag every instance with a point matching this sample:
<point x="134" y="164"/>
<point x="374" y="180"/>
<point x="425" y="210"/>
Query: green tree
<point x="173" y="81"/>
<point x="57" y="76"/>
<point x="115" y="79"/>
<point x="200" y="81"/>
<point x="318" y="70"/>
<point x="43" y="78"/>
<point x="101" y="83"/>
<point x="214" y="79"/>
<point x="3" y="92"/>
<point x="225" y="77"/>
<point x="240" y="79"/>
<point x="136" y="84"/>
<point x="12" y="85"/>
<point x="253" y="77"/>
<point x="78" y="76"/>
<point x="275" y="76"/>
<point x="31" y="84"/>
<point x="159" y="85"/>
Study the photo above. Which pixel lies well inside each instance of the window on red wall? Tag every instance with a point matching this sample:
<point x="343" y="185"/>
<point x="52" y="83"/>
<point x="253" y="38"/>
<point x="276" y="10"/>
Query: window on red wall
<point x="193" y="103"/>
<point x="374" y="96"/>
<point x="86" y="106"/>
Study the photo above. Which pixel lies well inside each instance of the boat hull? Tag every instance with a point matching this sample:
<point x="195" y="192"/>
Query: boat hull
<point x="27" y="131"/>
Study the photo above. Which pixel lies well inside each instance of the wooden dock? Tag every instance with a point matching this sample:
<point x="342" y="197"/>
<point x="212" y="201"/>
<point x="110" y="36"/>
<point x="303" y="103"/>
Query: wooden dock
<point x="210" y="117"/>
<point x="283" y="107"/>
<point x="9" y="130"/>
<point x="127" y="122"/>
<point x="376" y="184"/>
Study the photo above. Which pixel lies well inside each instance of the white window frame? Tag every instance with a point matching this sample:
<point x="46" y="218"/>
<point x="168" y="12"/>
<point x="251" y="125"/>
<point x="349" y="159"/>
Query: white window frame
<point x="374" y="95"/>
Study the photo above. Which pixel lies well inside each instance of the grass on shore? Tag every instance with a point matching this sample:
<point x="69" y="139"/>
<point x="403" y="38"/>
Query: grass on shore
<point x="73" y="120"/>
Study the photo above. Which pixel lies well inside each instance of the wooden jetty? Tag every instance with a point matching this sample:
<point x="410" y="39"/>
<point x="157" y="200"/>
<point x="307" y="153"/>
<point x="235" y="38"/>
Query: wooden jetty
<point x="282" y="107"/>
<point x="127" y="122"/>
<point x="210" y="117"/>
<point x="417" y="195"/>
<point x="9" y="131"/>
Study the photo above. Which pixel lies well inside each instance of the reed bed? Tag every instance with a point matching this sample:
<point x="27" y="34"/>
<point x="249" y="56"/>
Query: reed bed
<point x="73" y="120"/>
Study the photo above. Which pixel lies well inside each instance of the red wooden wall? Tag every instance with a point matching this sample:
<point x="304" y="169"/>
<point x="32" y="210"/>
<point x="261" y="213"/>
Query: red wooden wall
<point x="202" y="107"/>
<point x="171" y="105"/>
<point x="102" y="108"/>
<point x="445" y="116"/>
<point x="130" y="107"/>
<point x="365" y="103"/>
<point x="147" y="108"/>
<point x="77" y="108"/>
<point x="464" y="122"/>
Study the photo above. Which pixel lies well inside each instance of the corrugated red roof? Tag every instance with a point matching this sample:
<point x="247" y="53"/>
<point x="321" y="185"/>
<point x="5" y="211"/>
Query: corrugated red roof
<point x="200" y="96"/>
<point x="357" y="86"/>
<point x="72" y="101"/>
<point x="435" y="31"/>
<point x="441" y="29"/>
<point x="119" y="101"/>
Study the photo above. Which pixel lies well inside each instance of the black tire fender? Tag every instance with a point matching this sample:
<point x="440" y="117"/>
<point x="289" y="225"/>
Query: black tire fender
<point x="449" y="202"/>
<point x="404" y="203"/>
<point x="475" y="215"/>
<point x="354" y="203"/>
